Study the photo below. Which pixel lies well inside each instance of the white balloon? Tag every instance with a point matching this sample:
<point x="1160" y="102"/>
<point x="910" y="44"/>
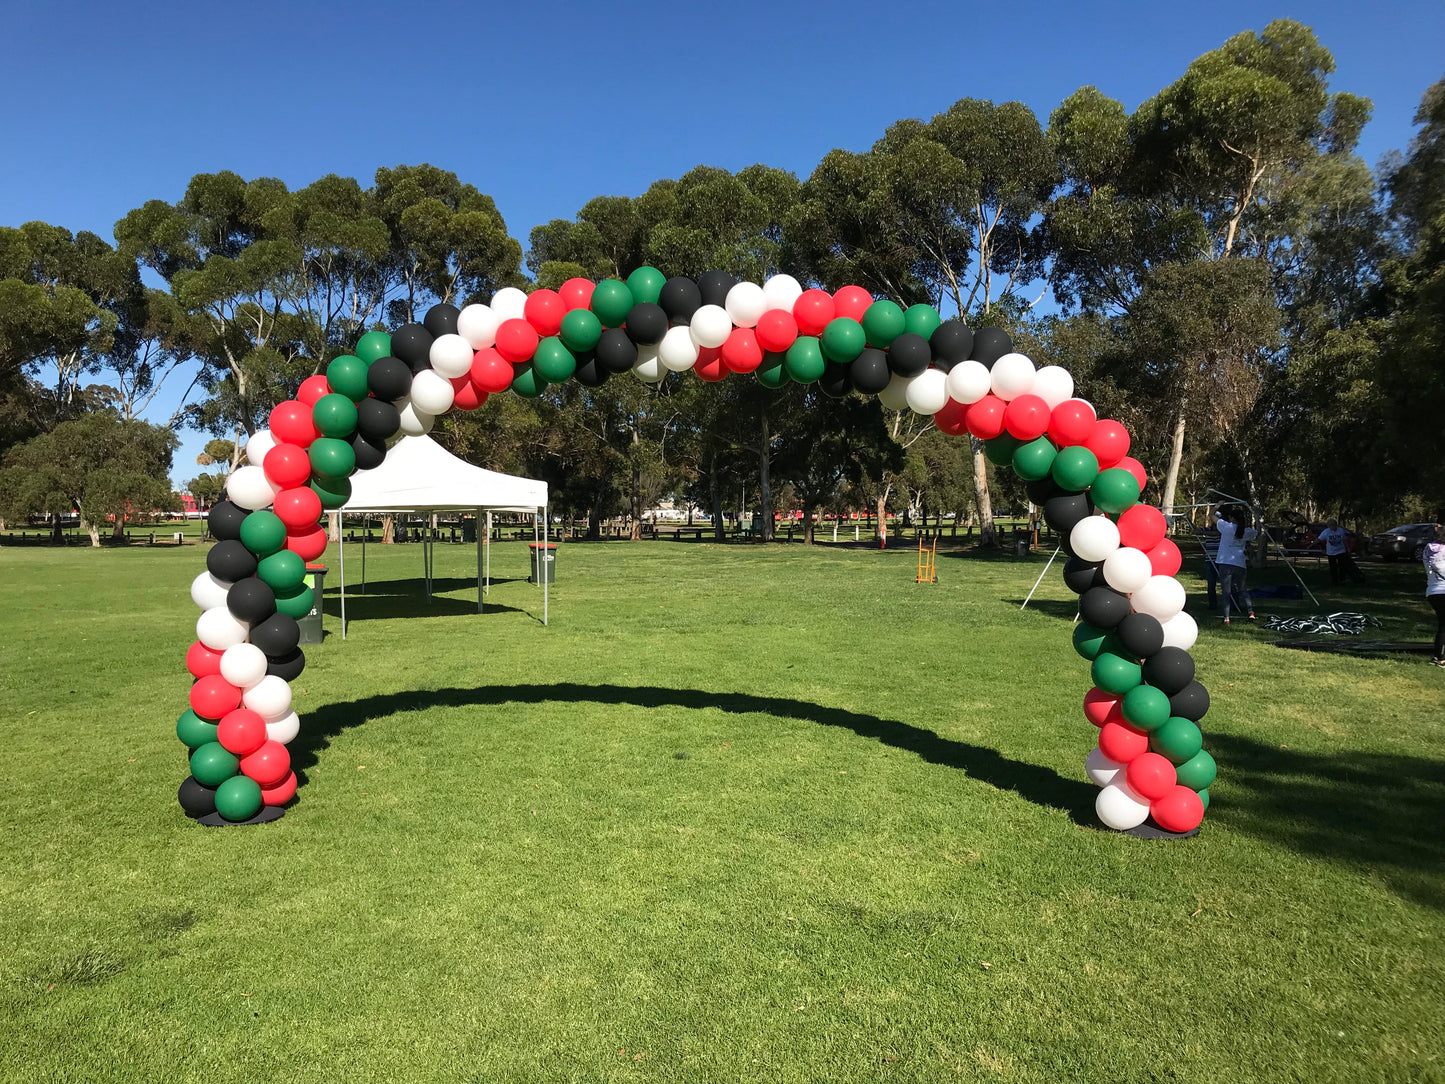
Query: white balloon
<point x="508" y="303"/>
<point x="1161" y="597"/>
<point x="1127" y="570"/>
<point x="260" y="442"/>
<point x="451" y="355"/>
<point x="1094" y="538"/>
<point x="1100" y="768"/>
<point x="1011" y="376"/>
<point x="1119" y="807"/>
<point x="218" y="629"/>
<point x="207" y="592"/>
<point x="414" y="422"/>
<point x="927" y="393"/>
<point x="745" y="303"/>
<point x="710" y="326"/>
<point x="269" y="698"/>
<point x="250" y="488"/>
<point x="478" y="325"/>
<point x="1053" y="385"/>
<point x="677" y="351"/>
<point x="1181" y="631"/>
<point x="895" y="395"/>
<point x="243" y="665"/>
<point x="782" y="292"/>
<point x="968" y="382"/>
<point x="648" y="367"/>
<point x="284" y="729"/>
<point x="431" y="392"/>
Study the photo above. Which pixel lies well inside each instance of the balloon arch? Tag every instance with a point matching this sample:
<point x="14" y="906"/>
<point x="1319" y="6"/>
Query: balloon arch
<point x="1149" y="761"/>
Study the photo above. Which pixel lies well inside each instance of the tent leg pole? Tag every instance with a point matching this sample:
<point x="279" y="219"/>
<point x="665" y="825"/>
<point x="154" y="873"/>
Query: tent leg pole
<point x="365" y="524"/>
<point x="487" y="550"/>
<point x="1042" y="574"/>
<point x="341" y="544"/>
<point x="546" y="572"/>
<point x="479" y="560"/>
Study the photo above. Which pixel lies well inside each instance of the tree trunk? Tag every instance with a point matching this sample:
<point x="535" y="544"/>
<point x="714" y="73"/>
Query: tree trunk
<point x="634" y="501"/>
<point x="765" y="481"/>
<point x="719" y="529"/>
<point x="388" y="530"/>
<point x="882" y="532"/>
<point x="333" y="526"/>
<point x="1176" y="456"/>
<point x="92" y="530"/>
<point x="807" y="524"/>
<point x="57" y="537"/>
<point x="117" y="531"/>
<point x="594" y="523"/>
<point x="987" y="536"/>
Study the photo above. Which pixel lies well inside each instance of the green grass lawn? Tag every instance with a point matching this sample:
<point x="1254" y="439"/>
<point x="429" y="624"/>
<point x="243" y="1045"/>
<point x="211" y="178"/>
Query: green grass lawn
<point x="739" y="814"/>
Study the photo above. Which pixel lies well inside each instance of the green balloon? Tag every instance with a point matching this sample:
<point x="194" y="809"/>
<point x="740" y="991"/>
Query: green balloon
<point x="883" y="322"/>
<point x="1089" y="642"/>
<point x="282" y="572"/>
<point x="553" y="360"/>
<point x="1178" y="739"/>
<point x="1033" y="461"/>
<point x="645" y="284"/>
<point x="374" y="345"/>
<point x="921" y="320"/>
<point x="297" y="603"/>
<point x="332" y="457"/>
<point x="334" y="415"/>
<point x="773" y="372"/>
<point x="347" y="376"/>
<point x="804" y="360"/>
<point x="1204" y="797"/>
<point x="1074" y="468"/>
<point x="193" y="730"/>
<point x="843" y="339"/>
<point x="1198" y="772"/>
<point x="1115" y="674"/>
<point x="1000" y="450"/>
<point x="263" y="533"/>
<point x="580" y="330"/>
<point x="212" y="764"/>
<point x="1145" y="707"/>
<point x="612" y="301"/>
<point x="334" y="492"/>
<point x="527" y="382"/>
<point x="1115" y="490"/>
<point x="238" y="798"/>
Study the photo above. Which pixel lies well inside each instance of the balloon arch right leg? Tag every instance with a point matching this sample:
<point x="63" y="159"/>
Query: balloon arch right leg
<point x="1149" y="760"/>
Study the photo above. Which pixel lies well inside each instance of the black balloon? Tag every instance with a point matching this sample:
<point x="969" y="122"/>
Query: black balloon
<point x="589" y="373"/>
<point x="1190" y="702"/>
<point x="277" y="635"/>
<point x="196" y="800"/>
<point x="951" y="342"/>
<point x="909" y="354"/>
<point x="615" y="351"/>
<point x="869" y="371"/>
<point x="369" y="453"/>
<point x="1143" y="636"/>
<point x="1103" y="607"/>
<point x="412" y="344"/>
<point x="225" y="519"/>
<point x="376" y="419"/>
<point x="230" y="560"/>
<point x="251" y="600"/>
<point x="680" y="298"/>
<point x="1065" y="510"/>
<point x="1040" y="491"/>
<point x="646" y="323"/>
<point x="1170" y="669"/>
<point x="990" y="344"/>
<point x="713" y="286"/>
<point x="1081" y="575"/>
<point x="441" y="320"/>
<point x="288" y="666"/>
<point x="388" y="378"/>
<point x="835" y="382"/>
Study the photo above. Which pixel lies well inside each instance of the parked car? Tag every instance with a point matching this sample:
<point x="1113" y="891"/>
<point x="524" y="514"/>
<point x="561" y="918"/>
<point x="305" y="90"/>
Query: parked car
<point x="1405" y="541"/>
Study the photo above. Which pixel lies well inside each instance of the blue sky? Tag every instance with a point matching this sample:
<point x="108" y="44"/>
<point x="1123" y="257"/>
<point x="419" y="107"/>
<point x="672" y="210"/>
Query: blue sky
<point x="544" y="105"/>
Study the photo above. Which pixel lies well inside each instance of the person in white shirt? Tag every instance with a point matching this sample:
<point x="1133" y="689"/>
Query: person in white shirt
<point x="1234" y="531"/>
<point x="1434" y="558"/>
<point x="1333" y="537"/>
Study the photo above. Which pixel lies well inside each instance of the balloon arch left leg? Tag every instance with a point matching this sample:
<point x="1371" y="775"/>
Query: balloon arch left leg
<point x="1149" y="761"/>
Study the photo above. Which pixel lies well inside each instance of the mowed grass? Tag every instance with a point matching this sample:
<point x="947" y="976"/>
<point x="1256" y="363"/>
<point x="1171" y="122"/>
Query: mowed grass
<point x="738" y="814"/>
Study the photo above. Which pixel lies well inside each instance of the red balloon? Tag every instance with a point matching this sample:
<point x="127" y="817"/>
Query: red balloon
<point x="1142" y="527"/>
<point x="307" y="545"/>
<point x="268" y="765"/>
<point x="1165" y="558"/>
<point x="298" y="508"/>
<point x="1109" y="442"/>
<point x="1101" y="707"/>
<point x="517" y="340"/>
<point x="1026" y="417"/>
<point x="576" y="293"/>
<point x="710" y="364"/>
<point x="813" y="310"/>
<point x="952" y="419"/>
<point x="241" y="732"/>
<point x="213" y="696"/>
<point x="1071" y="423"/>
<point x="287" y="465"/>
<point x="852" y="302"/>
<point x="281" y="793"/>
<point x="490" y="371"/>
<point x="544" y="311"/>
<point x="985" y="417"/>
<point x="1119" y="741"/>
<point x="1181" y="810"/>
<point x="1151" y="776"/>
<point x="1134" y="467"/>
<point x="291" y="424"/>
<point x="777" y="330"/>
<point x="312" y="389"/>
<point x="465" y="395"/>
<point x="741" y="353"/>
<point x="202" y="661"/>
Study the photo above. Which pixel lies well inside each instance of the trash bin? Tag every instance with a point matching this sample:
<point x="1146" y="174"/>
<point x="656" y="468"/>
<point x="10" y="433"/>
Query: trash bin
<point x="544" y="562"/>
<point x="1022" y="543"/>
<point x="311" y="624"/>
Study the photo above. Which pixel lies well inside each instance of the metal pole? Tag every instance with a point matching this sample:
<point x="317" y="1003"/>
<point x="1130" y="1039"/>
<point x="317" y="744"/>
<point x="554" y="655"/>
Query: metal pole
<point x="488" y="552"/>
<point x="546" y="573"/>
<point x="479" y="560"/>
<point x="1042" y="574"/>
<point x="365" y="523"/>
<point x="341" y="537"/>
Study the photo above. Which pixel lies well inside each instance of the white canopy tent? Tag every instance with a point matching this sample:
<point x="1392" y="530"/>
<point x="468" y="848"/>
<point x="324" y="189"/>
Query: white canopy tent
<point x="419" y="475"/>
